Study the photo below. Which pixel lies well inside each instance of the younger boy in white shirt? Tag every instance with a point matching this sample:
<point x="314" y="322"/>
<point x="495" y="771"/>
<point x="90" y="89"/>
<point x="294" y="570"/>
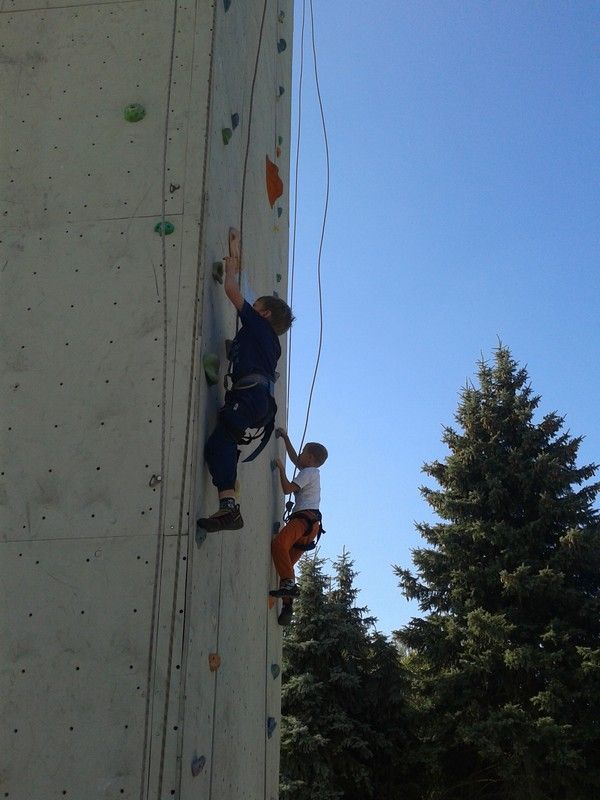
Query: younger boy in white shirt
<point x="304" y="523"/>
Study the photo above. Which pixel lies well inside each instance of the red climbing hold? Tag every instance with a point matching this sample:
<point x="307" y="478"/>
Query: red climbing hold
<point x="274" y="182"/>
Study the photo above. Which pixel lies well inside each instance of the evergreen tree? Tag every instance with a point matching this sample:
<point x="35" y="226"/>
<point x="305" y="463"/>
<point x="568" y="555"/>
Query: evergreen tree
<point x="342" y="698"/>
<point x="506" y="660"/>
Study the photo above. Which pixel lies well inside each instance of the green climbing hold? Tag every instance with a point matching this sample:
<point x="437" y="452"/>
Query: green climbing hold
<point x="281" y="16"/>
<point x="134" y="112"/>
<point x="235" y="120"/>
<point x="217" y="271"/>
<point x="211" y="363"/>
<point x="164" y="227"/>
<point x="278" y="277"/>
<point x="280" y="140"/>
<point x="281" y="45"/>
<point x="226" y="133"/>
<point x="275" y="670"/>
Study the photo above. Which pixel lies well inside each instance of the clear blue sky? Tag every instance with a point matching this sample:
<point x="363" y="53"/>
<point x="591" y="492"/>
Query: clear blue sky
<point x="464" y="208"/>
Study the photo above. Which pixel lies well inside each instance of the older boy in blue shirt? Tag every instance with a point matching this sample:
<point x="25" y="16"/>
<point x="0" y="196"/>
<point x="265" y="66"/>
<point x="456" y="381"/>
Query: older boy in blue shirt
<point x="249" y="403"/>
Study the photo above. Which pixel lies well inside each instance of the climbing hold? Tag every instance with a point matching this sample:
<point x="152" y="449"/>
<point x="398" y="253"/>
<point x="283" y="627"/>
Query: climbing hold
<point x="275" y="670"/>
<point x="214" y="661"/>
<point x="278" y="277"/>
<point x="134" y="112"/>
<point x="281" y="45"/>
<point x="200" y="535"/>
<point x="274" y="182"/>
<point x="235" y="120"/>
<point x="155" y="480"/>
<point x="164" y="227"/>
<point x="226" y="133"/>
<point x="281" y="90"/>
<point x="173" y="187"/>
<point x="281" y="16"/>
<point x="217" y="271"/>
<point x="275" y="294"/>
<point x="226" y="4"/>
<point x="271" y="725"/>
<point x="211" y="363"/>
<point x="198" y="764"/>
<point x="280" y="140"/>
<point x="279" y="211"/>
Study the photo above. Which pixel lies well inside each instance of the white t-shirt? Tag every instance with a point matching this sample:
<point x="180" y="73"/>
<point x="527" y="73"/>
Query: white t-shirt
<point x="309" y="494"/>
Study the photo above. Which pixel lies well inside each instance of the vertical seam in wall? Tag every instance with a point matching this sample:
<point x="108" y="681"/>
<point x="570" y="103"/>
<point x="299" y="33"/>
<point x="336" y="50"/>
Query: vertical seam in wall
<point x="159" y="557"/>
<point x="191" y="420"/>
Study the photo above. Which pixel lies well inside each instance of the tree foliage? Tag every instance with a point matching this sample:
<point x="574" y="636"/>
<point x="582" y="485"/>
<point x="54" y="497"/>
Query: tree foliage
<point x="506" y="659"/>
<point x="343" y="707"/>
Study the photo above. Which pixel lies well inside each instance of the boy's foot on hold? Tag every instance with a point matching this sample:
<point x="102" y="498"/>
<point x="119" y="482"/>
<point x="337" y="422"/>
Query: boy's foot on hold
<point x="286" y="613"/>
<point x="287" y="588"/>
<point x="225" y="519"/>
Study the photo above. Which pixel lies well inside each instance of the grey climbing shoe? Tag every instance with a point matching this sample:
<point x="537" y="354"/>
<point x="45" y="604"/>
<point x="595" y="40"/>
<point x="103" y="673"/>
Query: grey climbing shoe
<point x="225" y="519"/>
<point x="286" y="614"/>
<point x="287" y="588"/>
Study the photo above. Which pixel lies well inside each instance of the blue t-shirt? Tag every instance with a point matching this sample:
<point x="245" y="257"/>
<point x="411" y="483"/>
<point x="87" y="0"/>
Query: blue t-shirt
<point x="256" y="346"/>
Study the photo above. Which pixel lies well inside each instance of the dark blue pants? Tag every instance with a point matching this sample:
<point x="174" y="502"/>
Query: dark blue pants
<point x="243" y="409"/>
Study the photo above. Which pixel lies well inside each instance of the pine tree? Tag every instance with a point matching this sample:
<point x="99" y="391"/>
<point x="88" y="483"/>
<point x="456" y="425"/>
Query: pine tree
<point x="506" y="660"/>
<point x="342" y="702"/>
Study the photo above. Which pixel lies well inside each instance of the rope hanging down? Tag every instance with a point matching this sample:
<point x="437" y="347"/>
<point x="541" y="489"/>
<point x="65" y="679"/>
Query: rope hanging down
<point x="325" y="208"/>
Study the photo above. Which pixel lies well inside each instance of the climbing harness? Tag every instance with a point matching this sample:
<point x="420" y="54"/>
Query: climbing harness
<point x="265" y="426"/>
<point x="310" y="517"/>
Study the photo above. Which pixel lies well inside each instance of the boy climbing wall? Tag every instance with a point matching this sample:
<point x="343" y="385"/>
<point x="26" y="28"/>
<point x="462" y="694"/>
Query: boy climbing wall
<point x="249" y="403"/>
<point x="304" y="523"/>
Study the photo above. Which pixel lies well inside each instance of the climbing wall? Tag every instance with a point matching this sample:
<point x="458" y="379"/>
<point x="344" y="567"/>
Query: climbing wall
<point x="134" y="663"/>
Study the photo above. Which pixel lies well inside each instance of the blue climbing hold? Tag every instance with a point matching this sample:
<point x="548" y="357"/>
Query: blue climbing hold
<point x="281" y="45"/>
<point x="198" y="764"/>
<point x="279" y="211"/>
<point x="281" y="90"/>
<point x="271" y="725"/>
<point x="275" y="670"/>
<point x="235" y="120"/>
<point x="226" y="4"/>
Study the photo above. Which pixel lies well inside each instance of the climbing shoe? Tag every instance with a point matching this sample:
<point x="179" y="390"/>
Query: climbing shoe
<point x="225" y="519"/>
<point x="286" y="613"/>
<point x="287" y="588"/>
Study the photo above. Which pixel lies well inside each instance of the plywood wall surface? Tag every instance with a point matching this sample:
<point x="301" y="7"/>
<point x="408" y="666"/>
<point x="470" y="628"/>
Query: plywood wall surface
<point x="110" y="611"/>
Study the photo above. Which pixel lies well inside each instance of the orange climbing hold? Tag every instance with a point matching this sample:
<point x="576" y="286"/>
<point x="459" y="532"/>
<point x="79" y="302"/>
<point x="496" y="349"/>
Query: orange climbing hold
<point x="214" y="661"/>
<point x="274" y="182"/>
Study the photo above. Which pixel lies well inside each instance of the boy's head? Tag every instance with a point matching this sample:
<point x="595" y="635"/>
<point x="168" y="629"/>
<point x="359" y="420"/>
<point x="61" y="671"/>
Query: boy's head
<point x="275" y="311"/>
<point x="313" y="455"/>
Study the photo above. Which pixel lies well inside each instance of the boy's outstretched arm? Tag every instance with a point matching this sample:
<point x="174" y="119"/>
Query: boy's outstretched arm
<point x="292" y="454"/>
<point x="287" y="486"/>
<point x="232" y="270"/>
